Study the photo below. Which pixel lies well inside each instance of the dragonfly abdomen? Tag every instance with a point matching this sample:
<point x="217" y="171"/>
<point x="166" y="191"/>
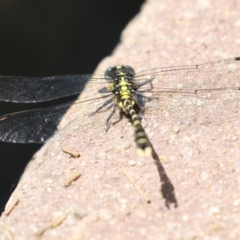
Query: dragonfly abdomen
<point x="141" y="139"/>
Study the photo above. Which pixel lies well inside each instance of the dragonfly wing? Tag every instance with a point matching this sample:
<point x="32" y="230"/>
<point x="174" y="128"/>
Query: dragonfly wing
<point x="204" y="93"/>
<point x="36" y="89"/>
<point x="34" y="126"/>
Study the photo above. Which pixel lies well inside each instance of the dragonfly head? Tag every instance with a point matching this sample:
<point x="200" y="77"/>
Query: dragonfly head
<point x="113" y="73"/>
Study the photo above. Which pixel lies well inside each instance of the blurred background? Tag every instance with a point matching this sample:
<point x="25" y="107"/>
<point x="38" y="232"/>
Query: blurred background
<point x="52" y="37"/>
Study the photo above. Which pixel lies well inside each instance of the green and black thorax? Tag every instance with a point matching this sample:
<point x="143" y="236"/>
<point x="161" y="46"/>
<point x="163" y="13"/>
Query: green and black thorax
<point x="122" y="85"/>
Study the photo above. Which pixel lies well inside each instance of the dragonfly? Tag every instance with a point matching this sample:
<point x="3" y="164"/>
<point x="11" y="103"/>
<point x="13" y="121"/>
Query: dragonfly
<point x="202" y="93"/>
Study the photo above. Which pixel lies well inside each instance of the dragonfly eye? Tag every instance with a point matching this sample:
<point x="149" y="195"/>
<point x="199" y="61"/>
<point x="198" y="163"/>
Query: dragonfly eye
<point x="110" y="73"/>
<point x="128" y="70"/>
<point x="113" y="72"/>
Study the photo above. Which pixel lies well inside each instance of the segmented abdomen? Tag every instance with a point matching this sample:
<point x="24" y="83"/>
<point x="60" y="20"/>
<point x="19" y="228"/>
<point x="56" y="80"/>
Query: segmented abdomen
<point x="143" y="144"/>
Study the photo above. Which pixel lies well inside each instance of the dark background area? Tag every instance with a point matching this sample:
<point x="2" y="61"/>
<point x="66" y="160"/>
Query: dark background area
<point x="44" y="38"/>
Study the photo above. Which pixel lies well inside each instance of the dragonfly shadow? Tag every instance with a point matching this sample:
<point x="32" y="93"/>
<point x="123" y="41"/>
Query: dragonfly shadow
<point x="167" y="188"/>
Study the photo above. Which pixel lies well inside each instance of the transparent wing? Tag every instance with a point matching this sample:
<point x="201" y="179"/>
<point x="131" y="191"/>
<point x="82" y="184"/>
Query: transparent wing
<point x="202" y="93"/>
<point x="216" y="74"/>
<point x="39" y="89"/>
<point x="205" y="93"/>
<point x="36" y="126"/>
<point x="219" y="75"/>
